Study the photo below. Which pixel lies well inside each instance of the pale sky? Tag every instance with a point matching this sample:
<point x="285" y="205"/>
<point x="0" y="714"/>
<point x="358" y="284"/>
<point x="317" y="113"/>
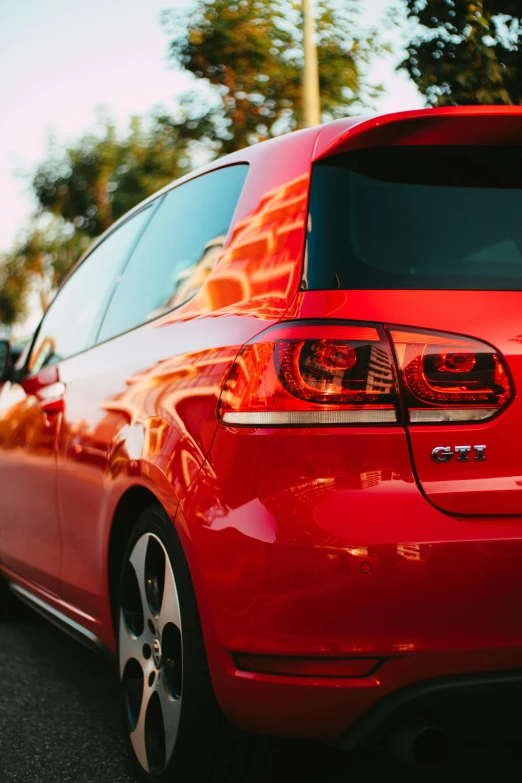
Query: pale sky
<point x="62" y="60"/>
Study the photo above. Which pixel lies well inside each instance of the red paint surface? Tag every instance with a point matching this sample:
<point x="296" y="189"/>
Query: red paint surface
<point x="341" y="541"/>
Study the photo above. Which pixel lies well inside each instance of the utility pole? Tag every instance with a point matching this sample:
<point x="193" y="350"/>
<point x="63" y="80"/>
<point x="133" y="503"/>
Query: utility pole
<point x="311" y="96"/>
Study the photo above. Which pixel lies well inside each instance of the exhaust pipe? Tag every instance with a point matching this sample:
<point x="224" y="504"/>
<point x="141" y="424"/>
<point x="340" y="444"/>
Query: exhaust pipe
<point x="420" y="744"/>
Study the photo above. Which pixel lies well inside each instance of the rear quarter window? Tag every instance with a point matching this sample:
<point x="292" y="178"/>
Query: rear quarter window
<point x="178" y="250"/>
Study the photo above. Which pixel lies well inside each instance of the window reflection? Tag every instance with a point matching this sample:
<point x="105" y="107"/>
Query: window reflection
<point x="177" y="251"/>
<point x="70" y="324"/>
<point x="190" y="280"/>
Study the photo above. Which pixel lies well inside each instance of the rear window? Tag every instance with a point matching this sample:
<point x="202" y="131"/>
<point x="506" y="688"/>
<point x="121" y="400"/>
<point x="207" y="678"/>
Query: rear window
<point x="417" y="217"/>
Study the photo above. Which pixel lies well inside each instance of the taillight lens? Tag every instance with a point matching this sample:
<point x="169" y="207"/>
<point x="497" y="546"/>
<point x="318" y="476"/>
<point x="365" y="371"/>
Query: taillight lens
<point x="450" y="378"/>
<point x="303" y="374"/>
<point x="317" y="374"/>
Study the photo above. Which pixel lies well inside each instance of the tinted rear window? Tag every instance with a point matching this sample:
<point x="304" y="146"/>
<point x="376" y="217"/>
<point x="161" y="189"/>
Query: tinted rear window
<point x="417" y="217"/>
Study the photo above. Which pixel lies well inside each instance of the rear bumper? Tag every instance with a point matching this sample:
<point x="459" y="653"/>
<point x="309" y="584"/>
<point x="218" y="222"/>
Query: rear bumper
<point x="320" y="544"/>
<point x="484" y="706"/>
<point x="358" y="713"/>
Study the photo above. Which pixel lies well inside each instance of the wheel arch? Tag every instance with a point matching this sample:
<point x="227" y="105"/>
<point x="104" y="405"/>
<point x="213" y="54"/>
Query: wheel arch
<point x="132" y="503"/>
<point x="130" y="506"/>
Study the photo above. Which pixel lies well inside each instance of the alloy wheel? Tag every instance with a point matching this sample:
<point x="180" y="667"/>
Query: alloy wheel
<point x="150" y="653"/>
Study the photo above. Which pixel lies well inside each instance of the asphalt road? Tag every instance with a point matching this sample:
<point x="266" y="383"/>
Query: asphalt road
<point x="59" y="723"/>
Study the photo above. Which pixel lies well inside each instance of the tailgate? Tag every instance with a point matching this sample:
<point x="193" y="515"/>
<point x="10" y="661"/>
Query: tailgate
<point x="416" y="221"/>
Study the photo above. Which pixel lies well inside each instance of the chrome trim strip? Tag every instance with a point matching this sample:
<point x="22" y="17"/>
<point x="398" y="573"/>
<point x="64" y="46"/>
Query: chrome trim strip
<point x="54" y="615"/>
<point x="461" y="415"/>
<point x="324" y="417"/>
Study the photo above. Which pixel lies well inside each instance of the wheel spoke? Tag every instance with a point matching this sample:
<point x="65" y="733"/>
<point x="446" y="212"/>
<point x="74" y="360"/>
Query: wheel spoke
<point x="137" y="558"/>
<point x="138" y="741"/>
<point x="170" y="710"/>
<point x="169" y="612"/>
<point x="150" y="653"/>
<point x="129" y="645"/>
<point x="138" y="735"/>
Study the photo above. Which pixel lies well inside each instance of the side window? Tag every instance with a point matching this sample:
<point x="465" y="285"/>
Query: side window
<point x="177" y="251"/>
<point x="70" y="324"/>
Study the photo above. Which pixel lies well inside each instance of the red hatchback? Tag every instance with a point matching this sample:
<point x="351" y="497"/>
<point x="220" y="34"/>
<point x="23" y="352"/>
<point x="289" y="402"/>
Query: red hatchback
<point x="264" y="446"/>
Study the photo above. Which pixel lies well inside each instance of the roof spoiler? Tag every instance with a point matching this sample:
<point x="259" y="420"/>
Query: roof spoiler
<point x="476" y="125"/>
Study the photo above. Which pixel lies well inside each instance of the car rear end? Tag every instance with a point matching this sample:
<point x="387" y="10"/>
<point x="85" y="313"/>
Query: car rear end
<point x="367" y="467"/>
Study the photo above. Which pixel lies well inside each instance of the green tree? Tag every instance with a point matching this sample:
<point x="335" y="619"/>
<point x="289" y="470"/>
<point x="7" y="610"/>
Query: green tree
<point x="45" y="253"/>
<point x="13" y="290"/>
<point x="38" y="262"/>
<point x="81" y="191"/>
<point x="249" y="53"/>
<point x="100" y="177"/>
<point x="466" y="51"/>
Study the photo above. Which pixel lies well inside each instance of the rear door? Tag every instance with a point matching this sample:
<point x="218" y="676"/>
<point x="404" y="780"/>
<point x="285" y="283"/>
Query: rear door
<point x="31" y="413"/>
<point x="429" y="238"/>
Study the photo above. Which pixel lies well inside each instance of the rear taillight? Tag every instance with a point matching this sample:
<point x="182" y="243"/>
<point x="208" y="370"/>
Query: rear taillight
<point x="449" y="378"/>
<point x="317" y="374"/>
<point x="303" y="374"/>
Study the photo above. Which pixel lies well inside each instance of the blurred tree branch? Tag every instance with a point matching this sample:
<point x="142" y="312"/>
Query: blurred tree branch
<point x="250" y="53"/>
<point x="13" y="290"/>
<point x="466" y="51"/>
<point x="247" y="60"/>
<point x="98" y="179"/>
<point x="80" y="192"/>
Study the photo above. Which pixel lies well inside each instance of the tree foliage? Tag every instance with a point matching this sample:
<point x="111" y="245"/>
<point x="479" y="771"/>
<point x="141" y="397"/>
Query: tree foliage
<point x="81" y="191"/>
<point x="48" y="250"/>
<point x="100" y="177"/>
<point x="37" y="264"/>
<point x="466" y="51"/>
<point x="13" y="290"/>
<point x="250" y="53"/>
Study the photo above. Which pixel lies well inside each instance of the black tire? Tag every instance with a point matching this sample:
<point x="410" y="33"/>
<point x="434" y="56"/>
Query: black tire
<point x="6" y="599"/>
<point x="207" y="748"/>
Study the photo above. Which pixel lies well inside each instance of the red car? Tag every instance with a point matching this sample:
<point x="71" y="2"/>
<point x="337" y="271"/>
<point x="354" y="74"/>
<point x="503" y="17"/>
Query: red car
<point x="264" y="446"/>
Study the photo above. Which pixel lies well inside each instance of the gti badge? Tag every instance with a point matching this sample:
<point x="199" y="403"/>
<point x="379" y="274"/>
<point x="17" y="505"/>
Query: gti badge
<point x="445" y="454"/>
